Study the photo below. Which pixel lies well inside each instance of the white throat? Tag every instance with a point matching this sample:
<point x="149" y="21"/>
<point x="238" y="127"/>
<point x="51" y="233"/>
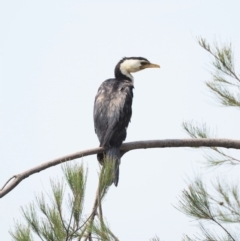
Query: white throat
<point x="129" y="66"/>
<point x="125" y="72"/>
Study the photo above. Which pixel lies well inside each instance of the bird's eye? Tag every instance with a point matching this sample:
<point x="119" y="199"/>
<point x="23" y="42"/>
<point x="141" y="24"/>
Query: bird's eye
<point x="144" y="63"/>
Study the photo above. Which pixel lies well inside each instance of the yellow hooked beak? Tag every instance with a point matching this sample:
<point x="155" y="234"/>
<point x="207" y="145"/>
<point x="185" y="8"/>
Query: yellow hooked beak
<point x="145" y="66"/>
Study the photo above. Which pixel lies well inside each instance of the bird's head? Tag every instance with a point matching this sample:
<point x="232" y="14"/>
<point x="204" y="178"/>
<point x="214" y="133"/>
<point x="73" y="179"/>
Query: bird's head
<point x="126" y="66"/>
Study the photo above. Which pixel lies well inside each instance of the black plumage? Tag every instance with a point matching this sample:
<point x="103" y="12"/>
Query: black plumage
<point x="113" y="110"/>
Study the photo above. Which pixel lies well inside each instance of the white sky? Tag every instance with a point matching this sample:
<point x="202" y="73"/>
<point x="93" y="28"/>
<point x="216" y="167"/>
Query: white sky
<point x="53" y="57"/>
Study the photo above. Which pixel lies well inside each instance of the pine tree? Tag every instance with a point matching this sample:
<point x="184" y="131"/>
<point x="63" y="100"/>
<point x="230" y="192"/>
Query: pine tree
<point x="217" y="213"/>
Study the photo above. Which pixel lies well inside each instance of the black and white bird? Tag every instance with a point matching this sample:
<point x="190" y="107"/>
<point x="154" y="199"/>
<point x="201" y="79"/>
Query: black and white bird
<point x="113" y="109"/>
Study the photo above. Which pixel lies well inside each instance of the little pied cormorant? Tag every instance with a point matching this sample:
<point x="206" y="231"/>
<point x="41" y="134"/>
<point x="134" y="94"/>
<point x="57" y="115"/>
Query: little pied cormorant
<point x="113" y="109"/>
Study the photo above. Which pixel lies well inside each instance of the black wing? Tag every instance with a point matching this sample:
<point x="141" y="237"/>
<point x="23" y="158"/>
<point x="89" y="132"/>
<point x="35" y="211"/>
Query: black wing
<point x="113" y="111"/>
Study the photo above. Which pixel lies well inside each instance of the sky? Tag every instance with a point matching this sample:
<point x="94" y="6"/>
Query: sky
<point x="53" y="57"/>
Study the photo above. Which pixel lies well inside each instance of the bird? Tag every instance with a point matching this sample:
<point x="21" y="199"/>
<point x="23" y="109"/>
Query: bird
<point x="113" y="110"/>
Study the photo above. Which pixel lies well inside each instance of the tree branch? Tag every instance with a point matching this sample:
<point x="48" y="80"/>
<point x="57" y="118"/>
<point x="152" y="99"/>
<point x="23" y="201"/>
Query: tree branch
<point x="204" y="142"/>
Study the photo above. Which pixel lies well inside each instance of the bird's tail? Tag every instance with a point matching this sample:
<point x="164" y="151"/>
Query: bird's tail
<point x="113" y="154"/>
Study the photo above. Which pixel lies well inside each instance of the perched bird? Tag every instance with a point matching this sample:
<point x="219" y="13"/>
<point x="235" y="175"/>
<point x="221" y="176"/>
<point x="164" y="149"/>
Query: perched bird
<point x="113" y="109"/>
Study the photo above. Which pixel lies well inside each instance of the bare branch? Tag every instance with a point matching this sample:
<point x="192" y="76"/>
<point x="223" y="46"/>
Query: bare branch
<point x="199" y="142"/>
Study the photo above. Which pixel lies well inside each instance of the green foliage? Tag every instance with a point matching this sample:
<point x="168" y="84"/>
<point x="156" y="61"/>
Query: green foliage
<point x="215" y="213"/>
<point x="223" y="207"/>
<point x="196" y="131"/>
<point x="106" y="177"/>
<point x="22" y="233"/>
<point x="53" y="224"/>
<point x="101" y="230"/>
<point x="156" y="238"/>
<point x="215" y="155"/>
<point x="50" y="220"/>
<point x="225" y="82"/>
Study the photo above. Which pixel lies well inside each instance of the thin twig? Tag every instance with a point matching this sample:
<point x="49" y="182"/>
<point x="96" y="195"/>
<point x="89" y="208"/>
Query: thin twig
<point x="87" y="220"/>
<point x="96" y="204"/>
<point x="100" y="211"/>
<point x="222" y="153"/>
<point x="220" y="225"/>
<point x="100" y="203"/>
<point x="201" y="142"/>
<point x="69" y="224"/>
<point x="91" y="217"/>
<point x="111" y="233"/>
